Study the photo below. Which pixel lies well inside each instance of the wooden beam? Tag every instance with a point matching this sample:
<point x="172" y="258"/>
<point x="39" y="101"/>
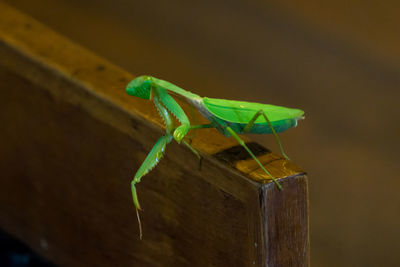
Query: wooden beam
<point x="71" y="141"/>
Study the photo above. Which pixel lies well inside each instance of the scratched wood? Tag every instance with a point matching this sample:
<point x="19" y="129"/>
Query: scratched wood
<point x="71" y="141"/>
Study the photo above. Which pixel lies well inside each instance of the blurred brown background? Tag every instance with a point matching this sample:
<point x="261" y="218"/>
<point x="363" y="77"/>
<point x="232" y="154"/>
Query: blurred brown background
<point x="337" y="60"/>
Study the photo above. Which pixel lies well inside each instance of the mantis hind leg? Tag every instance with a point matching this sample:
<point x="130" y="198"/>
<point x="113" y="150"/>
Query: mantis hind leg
<point x="251" y="123"/>
<point x="242" y="143"/>
<point x="148" y="164"/>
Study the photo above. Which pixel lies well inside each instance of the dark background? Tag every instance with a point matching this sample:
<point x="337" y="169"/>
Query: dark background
<point x="337" y="60"/>
<point x="13" y="253"/>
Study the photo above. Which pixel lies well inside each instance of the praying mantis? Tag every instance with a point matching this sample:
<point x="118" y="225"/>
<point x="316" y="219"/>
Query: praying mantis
<point x="230" y="117"/>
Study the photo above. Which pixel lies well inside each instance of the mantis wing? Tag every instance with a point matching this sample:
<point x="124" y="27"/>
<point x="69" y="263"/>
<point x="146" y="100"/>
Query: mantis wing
<point x="243" y="112"/>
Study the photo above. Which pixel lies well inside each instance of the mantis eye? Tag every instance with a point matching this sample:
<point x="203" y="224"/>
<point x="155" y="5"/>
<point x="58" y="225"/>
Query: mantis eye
<point x="140" y="87"/>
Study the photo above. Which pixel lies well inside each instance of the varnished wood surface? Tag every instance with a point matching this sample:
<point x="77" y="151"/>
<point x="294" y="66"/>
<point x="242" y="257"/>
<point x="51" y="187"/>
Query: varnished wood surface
<point x="70" y="143"/>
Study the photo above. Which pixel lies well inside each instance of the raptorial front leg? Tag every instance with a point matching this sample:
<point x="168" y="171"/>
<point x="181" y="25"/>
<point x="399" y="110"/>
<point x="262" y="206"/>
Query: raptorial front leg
<point x="173" y="107"/>
<point x="148" y="164"/>
<point x="251" y="123"/>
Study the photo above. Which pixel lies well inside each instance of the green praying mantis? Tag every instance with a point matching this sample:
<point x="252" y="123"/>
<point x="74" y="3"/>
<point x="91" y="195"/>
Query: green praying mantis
<point x="228" y="116"/>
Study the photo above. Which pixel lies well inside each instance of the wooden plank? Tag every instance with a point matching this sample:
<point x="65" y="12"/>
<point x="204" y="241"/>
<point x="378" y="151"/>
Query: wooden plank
<point x="70" y="143"/>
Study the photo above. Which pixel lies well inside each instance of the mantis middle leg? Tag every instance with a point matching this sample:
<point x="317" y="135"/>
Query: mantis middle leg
<point x="188" y="144"/>
<point x="195" y="152"/>
<point x="251" y="123"/>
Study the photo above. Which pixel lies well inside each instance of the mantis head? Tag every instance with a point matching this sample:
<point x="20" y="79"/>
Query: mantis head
<point x="140" y="87"/>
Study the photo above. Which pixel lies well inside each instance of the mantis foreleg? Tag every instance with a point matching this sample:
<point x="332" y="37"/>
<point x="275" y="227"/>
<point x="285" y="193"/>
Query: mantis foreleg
<point x="177" y="111"/>
<point x="242" y="143"/>
<point x="251" y="123"/>
<point x="148" y="164"/>
<point x="155" y="154"/>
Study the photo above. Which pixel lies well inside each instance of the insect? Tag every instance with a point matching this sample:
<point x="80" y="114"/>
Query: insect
<point x="228" y="116"/>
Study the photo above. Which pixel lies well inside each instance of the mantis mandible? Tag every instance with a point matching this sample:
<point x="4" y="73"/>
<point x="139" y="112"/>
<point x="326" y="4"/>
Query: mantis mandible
<point x="228" y="116"/>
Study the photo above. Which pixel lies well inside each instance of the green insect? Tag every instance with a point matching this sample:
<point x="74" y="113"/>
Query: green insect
<point x="229" y="117"/>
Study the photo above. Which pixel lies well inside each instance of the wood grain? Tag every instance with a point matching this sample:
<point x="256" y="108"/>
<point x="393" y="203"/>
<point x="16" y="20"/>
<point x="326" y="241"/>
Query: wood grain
<point x="70" y="143"/>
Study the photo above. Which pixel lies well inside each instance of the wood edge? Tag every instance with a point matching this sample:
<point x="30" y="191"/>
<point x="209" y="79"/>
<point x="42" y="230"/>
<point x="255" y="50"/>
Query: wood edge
<point x="286" y="214"/>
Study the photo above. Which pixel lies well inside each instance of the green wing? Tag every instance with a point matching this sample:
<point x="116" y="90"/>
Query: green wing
<point x="243" y="112"/>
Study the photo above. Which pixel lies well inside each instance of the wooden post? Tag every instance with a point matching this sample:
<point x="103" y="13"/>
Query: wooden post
<point x="71" y="141"/>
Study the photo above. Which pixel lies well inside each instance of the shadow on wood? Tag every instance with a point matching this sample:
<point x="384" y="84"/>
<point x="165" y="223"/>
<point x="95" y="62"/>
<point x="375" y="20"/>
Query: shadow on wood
<point x="71" y="141"/>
